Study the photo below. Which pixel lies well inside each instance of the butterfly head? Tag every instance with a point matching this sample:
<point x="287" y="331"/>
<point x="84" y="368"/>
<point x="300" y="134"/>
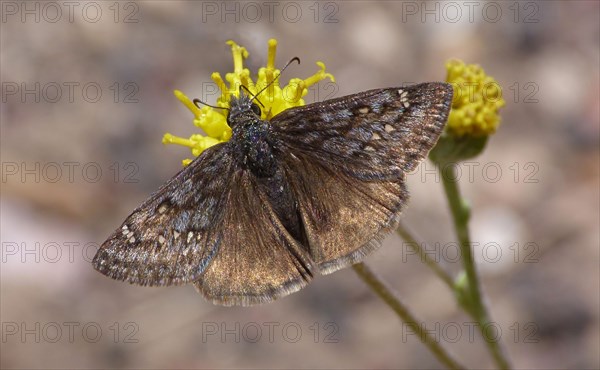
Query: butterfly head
<point x="242" y="109"/>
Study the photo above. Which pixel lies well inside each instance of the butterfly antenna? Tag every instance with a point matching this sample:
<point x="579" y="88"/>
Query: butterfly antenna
<point x="198" y="101"/>
<point x="250" y="94"/>
<point x="294" y="59"/>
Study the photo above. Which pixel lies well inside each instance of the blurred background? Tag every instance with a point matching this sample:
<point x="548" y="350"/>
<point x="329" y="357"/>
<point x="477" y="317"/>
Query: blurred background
<point x="87" y="93"/>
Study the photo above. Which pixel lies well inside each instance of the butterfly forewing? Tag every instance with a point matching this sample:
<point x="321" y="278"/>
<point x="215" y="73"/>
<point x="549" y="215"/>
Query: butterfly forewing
<point x="376" y="134"/>
<point x="173" y="235"/>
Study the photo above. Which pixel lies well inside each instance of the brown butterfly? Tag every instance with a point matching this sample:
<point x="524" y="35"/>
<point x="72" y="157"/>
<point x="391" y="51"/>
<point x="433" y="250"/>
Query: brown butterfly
<point x="312" y="190"/>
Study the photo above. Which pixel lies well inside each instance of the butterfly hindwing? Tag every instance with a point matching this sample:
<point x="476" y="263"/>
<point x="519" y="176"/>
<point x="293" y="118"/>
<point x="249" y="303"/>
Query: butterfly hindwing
<point x="258" y="260"/>
<point x="344" y="219"/>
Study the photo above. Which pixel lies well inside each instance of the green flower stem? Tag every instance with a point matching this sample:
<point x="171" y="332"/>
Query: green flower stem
<point x="389" y="297"/>
<point x="417" y="246"/>
<point x="473" y="301"/>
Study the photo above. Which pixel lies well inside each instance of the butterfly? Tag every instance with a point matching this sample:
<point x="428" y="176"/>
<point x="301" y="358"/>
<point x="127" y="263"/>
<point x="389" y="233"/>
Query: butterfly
<point x="310" y="191"/>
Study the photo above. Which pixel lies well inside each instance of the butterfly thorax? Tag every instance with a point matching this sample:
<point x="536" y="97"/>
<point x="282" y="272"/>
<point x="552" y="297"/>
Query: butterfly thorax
<point x="252" y="144"/>
<point x="250" y="138"/>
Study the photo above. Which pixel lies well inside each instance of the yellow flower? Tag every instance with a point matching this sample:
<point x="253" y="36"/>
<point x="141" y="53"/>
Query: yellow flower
<point x="477" y="99"/>
<point x="275" y="99"/>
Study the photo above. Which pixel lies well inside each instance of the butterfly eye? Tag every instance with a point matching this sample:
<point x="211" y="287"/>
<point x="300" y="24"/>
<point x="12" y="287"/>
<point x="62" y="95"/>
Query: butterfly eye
<point x="256" y="109"/>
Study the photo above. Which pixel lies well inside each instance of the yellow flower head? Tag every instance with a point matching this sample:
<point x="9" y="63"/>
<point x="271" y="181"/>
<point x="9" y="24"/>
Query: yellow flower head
<point x="477" y="99"/>
<point x="275" y="99"/>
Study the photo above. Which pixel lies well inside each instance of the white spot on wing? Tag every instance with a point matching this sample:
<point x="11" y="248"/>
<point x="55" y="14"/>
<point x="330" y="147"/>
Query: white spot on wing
<point x="389" y="128"/>
<point x="364" y="110"/>
<point x="404" y="99"/>
<point x="162" y="208"/>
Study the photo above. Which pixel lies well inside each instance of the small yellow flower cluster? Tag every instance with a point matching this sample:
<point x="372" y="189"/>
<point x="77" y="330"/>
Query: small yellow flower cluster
<point x="274" y="99"/>
<point x="477" y="98"/>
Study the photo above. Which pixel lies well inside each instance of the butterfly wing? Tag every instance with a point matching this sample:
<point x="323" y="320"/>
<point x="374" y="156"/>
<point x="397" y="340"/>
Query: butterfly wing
<point x="344" y="219"/>
<point x="258" y="260"/>
<point x="375" y="134"/>
<point x="346" y="160"/>
<point x="171" y="238"/>
<point x="213" y="225"/>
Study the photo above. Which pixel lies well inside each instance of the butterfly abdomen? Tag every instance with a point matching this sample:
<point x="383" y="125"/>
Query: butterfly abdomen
<point x="257" y="154"/>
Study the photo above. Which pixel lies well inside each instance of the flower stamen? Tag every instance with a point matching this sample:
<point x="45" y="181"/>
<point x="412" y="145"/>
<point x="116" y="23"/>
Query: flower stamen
<point x="275" y="99"/>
